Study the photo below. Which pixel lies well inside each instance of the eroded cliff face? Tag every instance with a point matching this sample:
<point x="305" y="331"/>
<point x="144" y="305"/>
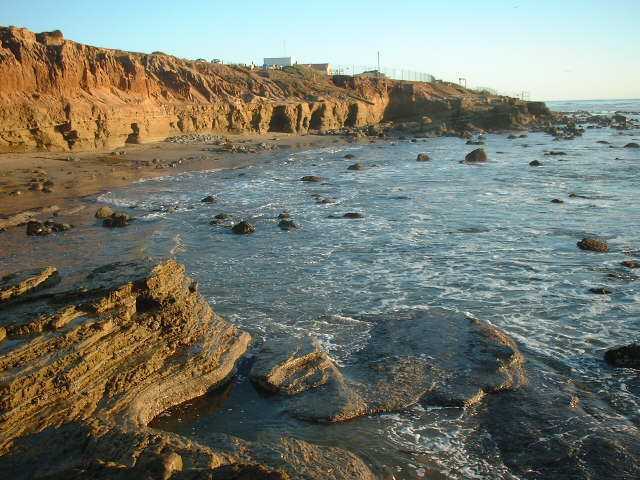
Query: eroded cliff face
<point x="57" y="94"/>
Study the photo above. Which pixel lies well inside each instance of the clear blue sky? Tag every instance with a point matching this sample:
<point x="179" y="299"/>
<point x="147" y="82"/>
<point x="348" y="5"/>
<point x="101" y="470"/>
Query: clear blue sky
<point x="561" y="49"/>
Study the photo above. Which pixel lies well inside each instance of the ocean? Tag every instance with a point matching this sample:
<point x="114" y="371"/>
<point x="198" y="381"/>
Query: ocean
<point x="483" y="241"/>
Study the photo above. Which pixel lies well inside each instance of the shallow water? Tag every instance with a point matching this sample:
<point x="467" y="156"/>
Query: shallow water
<point x="483" y="240"/>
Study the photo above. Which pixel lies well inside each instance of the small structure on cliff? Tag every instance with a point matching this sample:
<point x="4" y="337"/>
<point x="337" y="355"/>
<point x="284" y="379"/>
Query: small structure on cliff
<point x="277" y="62"/>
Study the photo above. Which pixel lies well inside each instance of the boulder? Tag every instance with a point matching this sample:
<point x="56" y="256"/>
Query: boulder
<point x="632" y="145"/>
<point x="104" y="212"/>
<point x="353" y="215"/>
<point x="35" y="228"/>
<point x="220" y="218"/>
<point x="593" y="245"/>
<point x="209" y="199"/>
<point x="535" y="163"/>
<point x="600" y="291"/>
<point x="631" y="263"/>
<point x="349" y="156"/>
<point x="476" y="156"/>
<point x="283" y="215"/>
<point x="627" y="356"/>
<point x="557" y="200"/>
<point x="423" y="157"/>
<point x="243" y="228"/>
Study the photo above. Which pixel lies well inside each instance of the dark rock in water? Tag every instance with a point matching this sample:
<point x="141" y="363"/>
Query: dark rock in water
<point x="423" y="157"/>
<point x="575" y="195"/>
<point x="627" y="356"/>
<point x="524" y="135"/>
<point x="535" y="163"/>
<point x="603" y="142"/>
<point x="311" y="178"/>
<point x="353" y="215"/>
<point x="593" y="245"/>
<point x="104" y="212"/>
<point x="117" y="220"/>
<point x="511" y="137"/>
<point x="325" y="200"/>
<point x="243" y="228"/>
<point x="220" y="218"/>
<point x="475" y="142"/>
<point x="349" y="156"/>
<point x="600" y="291"/>
<point x="286" y="224"/>
<point x="209" y="199"/>
<point x="554" y="153"/>
<point x="557" y="200"/>
<point x="35" y="228"/>
<point x="632" y="145"/>
<point x="19" y="283"/>
<point x="433" y="356"/>
<point x="476" y="156"/>
<point x="356" y="166"/>
<point x="283" y="215"/>
<point x="631" y="264"/>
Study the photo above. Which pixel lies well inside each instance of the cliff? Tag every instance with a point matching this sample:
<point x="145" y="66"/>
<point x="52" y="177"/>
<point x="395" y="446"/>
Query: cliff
<point x="59" y="95"/>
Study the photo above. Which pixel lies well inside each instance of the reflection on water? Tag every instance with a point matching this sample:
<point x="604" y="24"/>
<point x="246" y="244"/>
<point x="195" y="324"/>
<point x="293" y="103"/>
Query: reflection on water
<point x="479" y="239"/>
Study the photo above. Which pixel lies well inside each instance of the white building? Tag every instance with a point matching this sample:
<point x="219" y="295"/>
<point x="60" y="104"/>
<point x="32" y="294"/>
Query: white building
<point x="277" y="62"/>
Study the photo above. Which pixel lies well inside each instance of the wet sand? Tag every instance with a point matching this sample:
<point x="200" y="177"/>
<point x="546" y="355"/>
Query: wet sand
<point x="76" y="175"/>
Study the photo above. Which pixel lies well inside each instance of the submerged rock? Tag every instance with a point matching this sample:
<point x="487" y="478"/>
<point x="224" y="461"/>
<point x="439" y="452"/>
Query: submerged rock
<point x="423" y="157"/>
<point x="433" y="356"/>
<point x="356" y="166"/>
<point x="557" y="200"/>
<point x="209" y="199"/>
<point x="311" y="178"/>
<point x="593" y="244"/>
<point x="286" y="224"/>
<point x="220" y="219"/>
<point x="476" y="156"/>
<point x="353" y="215"/>
<point x="627" y="356"/>
<point x="632" y="145"/>
<point x="631" y="263"/>
<point x="349" y="156"/>
<point x="600" y="291"/>
<point x="243" y="228"/>
<point x="535" y="163"/>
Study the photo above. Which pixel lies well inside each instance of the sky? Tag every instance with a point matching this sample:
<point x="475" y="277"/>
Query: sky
<point x="555" y="50"/>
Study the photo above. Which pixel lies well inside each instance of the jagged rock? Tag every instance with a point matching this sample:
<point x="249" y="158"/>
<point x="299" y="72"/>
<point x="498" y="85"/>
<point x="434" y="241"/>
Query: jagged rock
<point x="15" y="284"/>
<point x="423" y="157"/>
<point x="600" y="291"/>
<point x="512" y="137"/>
<point x="593" y="244"/>
<point x="349" y="156"/>
<point x="130" y="340"/>
<point x="243" y="228"/>
<point x="627" y="356"/>
<point x="535" y="163"/>
<point x="353" y="215"/>
<point x="476" y="156"/>
<point x="356" y="166"/>
<point x="632" y="145"/>
<point x="23" y="217"/>
<point x="555" y="153"/>
<point x="104" y="212"/>
<point x="631" y="263"/>
<point x="117" y="220"/>
<point x="312" y="178"/>
<point x="603" y="142"/>
<point x="286" y="224"/>
<point x="209" y="199"/>
<point x="220" y="218"/>
<point x="283" y="215"/>
<point x="557" y="200"/>
<point x="35" y="228"/>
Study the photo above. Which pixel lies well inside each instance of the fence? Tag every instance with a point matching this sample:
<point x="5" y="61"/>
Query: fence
<point x="393" y="73"/>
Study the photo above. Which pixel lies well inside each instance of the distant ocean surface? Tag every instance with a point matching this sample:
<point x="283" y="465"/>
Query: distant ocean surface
<point x="596" y="106"/>
<point x="484" y="241"/>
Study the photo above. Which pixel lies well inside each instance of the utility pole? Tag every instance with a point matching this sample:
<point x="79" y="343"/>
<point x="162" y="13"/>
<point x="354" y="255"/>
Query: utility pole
<point x="460" y="80"/>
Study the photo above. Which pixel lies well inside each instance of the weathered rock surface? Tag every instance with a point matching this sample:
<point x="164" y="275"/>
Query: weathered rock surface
<point x="104" y="212"/>
<point x="432" y="356"/>
<point x="56" y="94"/>
<point x="593" y="245"/>
<point x="423" y="157"/>
<point x="243" y="228"/>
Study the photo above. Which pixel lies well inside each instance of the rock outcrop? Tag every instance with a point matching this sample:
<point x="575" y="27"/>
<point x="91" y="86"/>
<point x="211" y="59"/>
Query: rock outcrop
<point x="56" y="94"/>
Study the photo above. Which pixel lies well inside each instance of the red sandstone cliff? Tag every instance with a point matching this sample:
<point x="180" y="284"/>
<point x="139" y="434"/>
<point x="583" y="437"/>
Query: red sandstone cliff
<point x="56" y="94"/>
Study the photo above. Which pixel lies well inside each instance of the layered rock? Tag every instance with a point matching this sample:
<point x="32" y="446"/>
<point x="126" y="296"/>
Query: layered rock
<point x="56" y="94"/>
